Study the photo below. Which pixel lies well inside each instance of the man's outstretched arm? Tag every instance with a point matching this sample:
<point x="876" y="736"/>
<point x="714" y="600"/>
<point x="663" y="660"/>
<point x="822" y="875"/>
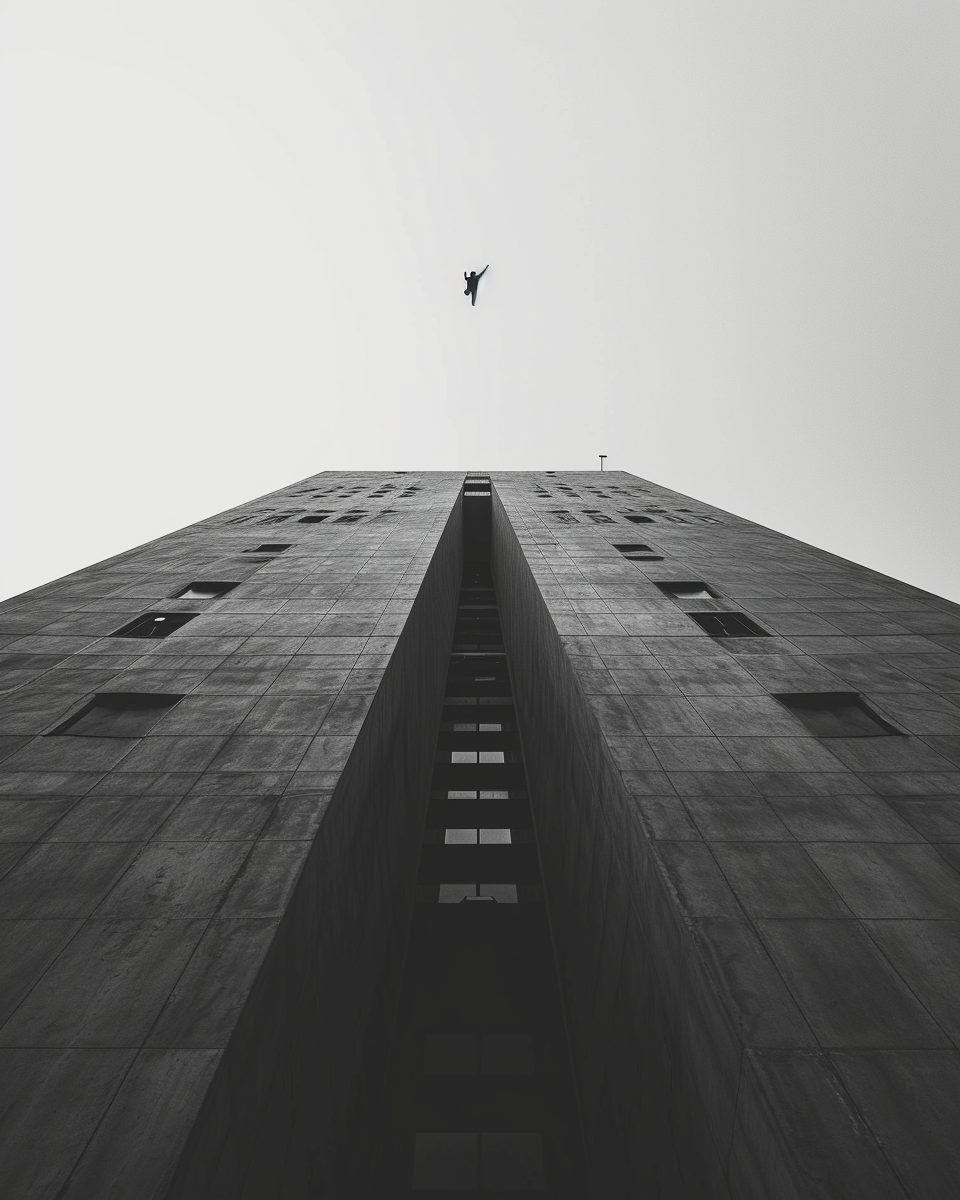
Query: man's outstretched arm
<point x="484" y="271"/>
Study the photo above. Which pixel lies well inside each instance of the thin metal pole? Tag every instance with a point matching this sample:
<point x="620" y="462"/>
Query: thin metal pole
<point x="601" y="457"/>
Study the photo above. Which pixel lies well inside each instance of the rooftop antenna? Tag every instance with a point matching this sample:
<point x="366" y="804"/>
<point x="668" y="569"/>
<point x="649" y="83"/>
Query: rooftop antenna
<point x="601" y="457"/>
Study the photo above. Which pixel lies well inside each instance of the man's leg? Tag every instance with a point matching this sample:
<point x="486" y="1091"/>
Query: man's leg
<point x="473" y="296"/>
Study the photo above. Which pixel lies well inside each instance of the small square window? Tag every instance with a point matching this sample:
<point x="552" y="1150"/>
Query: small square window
<point x="728" y="624"/>
<point x="693" y="590"/>
<point x="460" y="837"/>
<point x="269" y="548"/>
<point x="836" y="714"/>
<point x="502" y="893"/>
<point x="455" y="893"/>
<point x="205" y="590"/>
<point x="154" y="625"/>
<point x="119" y="714"/>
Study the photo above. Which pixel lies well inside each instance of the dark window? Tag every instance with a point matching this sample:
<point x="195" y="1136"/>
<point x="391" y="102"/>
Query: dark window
<point x="269" y="548"/>
<point x="693" y="590"/>
<point x="154" y="625"/>
<point x="632" y="548"/>
<point x="314" y="518"/>
<point x="118" y="714"/>
<point x="204" y="590"/>
<point x="638" y="520"/>
<point x="836" y="714"/>
<point x="728" y="624"/>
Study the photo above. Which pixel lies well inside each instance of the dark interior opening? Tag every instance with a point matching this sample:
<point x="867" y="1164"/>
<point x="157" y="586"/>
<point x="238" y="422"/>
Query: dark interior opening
<point x="205" y="590"/>
<point x="154" y="625"/>
<point x="728" y="624"/>
<point x="269" y="548"/>
<point x="118" y="714"/>
<point x="836" y="714"/>
<point x="694" y="589"/>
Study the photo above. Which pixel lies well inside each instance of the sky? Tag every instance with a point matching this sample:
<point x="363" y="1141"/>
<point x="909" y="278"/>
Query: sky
<point x="722" y="237"/>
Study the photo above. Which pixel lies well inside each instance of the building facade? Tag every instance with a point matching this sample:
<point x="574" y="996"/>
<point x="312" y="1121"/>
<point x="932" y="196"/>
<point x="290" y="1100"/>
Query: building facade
<point x="532" y="833"/>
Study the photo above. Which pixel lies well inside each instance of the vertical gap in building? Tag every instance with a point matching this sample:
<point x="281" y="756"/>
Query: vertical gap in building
<point x="479" y="1095"/>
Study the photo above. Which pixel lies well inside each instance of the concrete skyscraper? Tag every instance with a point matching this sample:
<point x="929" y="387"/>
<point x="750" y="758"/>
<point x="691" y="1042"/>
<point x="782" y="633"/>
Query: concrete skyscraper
<point x="531" y="833"/>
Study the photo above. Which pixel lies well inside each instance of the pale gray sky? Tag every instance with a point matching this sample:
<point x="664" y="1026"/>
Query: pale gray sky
<point x="722" y="237"/>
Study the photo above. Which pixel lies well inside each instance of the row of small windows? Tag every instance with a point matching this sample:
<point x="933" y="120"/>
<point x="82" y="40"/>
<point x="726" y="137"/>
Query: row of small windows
<point x="162" y="624"/>
<point x="133" y="714"/>
<point x="349" y="517"/>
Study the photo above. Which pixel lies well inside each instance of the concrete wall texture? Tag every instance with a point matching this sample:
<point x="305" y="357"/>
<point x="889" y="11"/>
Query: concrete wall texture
<point x="202" y="915"/>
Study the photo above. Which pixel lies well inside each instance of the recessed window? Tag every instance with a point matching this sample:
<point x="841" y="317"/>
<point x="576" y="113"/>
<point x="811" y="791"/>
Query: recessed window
<point x="693" y="590"/>
<point x="836" y="714"/>
<point x="154" y="625"/>
<point x="638" y="520"/>
<point x="637" y="552"/>
<point x="349" y="518"/>
<point x="119" y="714"/>
<point x="314" y="518"/>
<point x="489" y="893"/>
<point x="477" y="837"/>
<point x="728" y="624"/>
<point x="269" y="548"/>
<point x="205" y="590"/>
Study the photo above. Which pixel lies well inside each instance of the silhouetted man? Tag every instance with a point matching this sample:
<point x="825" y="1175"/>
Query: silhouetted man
<point x="473" y="280"/>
